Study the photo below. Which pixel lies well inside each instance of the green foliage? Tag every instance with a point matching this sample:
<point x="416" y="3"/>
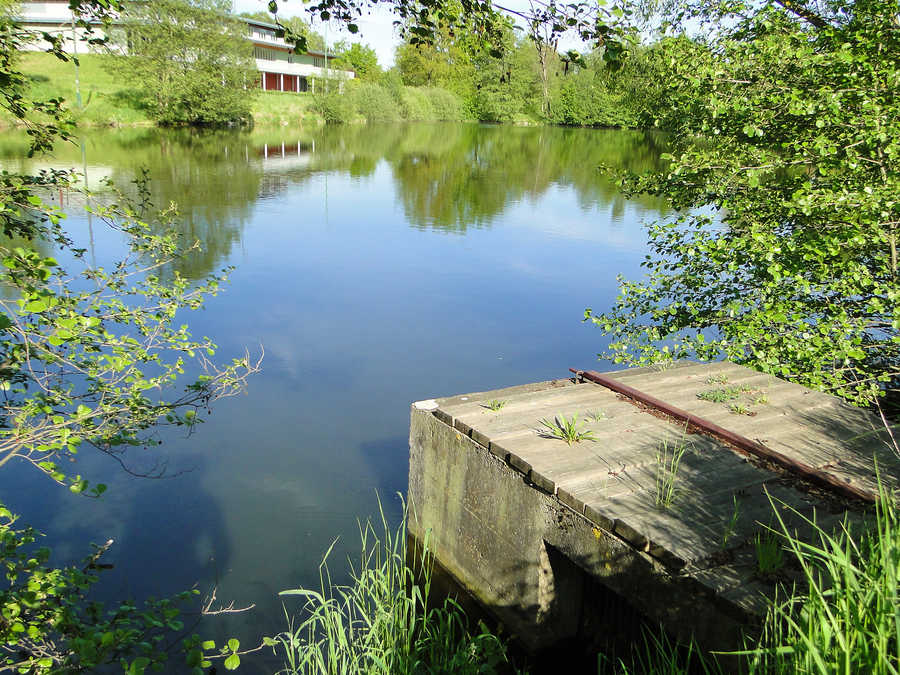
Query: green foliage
<point x="445" y="106"/>
<point x="789" y="127"/>
<point x="372" y="102"/>
<point x="388" y="101"/>
<point x="566" y="429"/>
<point x="723" y="394"/>
<point x="49" y="626"/>
<point x="84" y="353"/>
<point x="769" y="553"/>
<point x="384" y="622"/>
<point x="657" y="654"/>
<point x="495" y="404"/>
<point x="191" y="63"/>
<point x="361" y="59"/>
<point x="594" y="95"/>
<point x="334" y="107"/>
<point x="731" y="525"/>
<point x="87" y="358"/>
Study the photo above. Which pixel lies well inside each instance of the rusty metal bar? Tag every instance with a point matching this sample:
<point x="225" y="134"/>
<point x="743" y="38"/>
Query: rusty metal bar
<point x="755" y="448"/>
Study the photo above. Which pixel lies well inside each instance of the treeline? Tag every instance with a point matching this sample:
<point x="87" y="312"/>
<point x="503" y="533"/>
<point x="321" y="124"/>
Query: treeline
<point x="526" y="81"/>
<point x="460" y="77"/>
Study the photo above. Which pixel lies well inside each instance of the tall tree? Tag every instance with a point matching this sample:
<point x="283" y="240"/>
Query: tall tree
<point x="361" y="59"/>
<point x="191" y="61"/>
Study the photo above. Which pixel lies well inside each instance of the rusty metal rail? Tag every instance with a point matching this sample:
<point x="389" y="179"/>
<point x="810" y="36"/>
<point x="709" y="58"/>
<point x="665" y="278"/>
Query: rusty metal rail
<point x="800" y="469"/>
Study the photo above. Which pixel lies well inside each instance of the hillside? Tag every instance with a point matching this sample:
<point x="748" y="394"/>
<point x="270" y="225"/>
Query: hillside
<point x="107" y="101"/>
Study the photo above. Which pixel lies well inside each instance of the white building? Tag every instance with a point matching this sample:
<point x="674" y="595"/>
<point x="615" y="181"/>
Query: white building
<point x="279" y="68"/>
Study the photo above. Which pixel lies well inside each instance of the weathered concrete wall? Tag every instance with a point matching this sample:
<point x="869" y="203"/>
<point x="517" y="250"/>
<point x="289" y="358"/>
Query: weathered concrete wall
<point x="509" y="544"/>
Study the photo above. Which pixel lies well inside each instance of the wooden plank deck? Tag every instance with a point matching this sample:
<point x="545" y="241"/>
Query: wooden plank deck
<point x="723" y="499"/>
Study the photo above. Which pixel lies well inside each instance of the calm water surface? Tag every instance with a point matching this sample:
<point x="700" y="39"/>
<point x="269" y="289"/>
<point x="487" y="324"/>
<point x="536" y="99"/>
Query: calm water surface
<point x="376" y="266"/>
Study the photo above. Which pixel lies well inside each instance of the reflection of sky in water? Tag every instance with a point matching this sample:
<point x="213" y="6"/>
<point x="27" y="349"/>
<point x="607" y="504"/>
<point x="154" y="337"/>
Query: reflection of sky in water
<point x="363" y="305"/>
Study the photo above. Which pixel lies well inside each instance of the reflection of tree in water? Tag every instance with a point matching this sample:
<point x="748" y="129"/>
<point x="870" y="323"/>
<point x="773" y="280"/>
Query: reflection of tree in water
<point x="447" y="176"/>
<point x="462" y="176"/>
<point x="205" y="173"/>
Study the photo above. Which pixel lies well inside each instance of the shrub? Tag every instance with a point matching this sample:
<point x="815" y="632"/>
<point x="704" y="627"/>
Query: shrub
<point x="373" y="102"/>
<point x="334" y="107"/>
<point x="416" y="105"/>
<point x="446" y="106"/>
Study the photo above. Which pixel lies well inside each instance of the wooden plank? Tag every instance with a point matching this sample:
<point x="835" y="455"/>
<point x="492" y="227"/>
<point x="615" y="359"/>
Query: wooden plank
<point x="586" y="460"/>
<point x="627" y="373"/>
<point x="506" y="391"/>
<point x="790" y="464"/>
<point x="778" y="394"/>
<point x="513" y="419"/>
<point x="514" y="399"/>
<point x="680" y="371"/>
<point x="614" y="434"/>
<point x="688" y="388"/>
<point x="664" y="528"/>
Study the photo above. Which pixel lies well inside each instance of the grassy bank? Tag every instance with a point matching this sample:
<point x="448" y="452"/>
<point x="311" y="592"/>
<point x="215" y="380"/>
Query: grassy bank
<point x="105" y="101"/>
<point x="108" y="101"/>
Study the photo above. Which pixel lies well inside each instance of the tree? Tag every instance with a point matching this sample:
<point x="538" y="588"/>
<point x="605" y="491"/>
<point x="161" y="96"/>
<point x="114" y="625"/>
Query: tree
<point x="361" y="59"/>
<point x="191" y="62"/>
<point x="88" y="359"/>
<point x="788" y="124"/>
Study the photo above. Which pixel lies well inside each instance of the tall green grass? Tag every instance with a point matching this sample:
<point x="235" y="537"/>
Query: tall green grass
<point x="845" y="617"/>
<point x="842" y="617"/>
<point x="384" y="621"/>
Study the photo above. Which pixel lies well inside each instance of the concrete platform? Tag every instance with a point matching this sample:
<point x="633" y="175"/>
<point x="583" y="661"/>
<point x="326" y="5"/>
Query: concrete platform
<point x="527" y="522"/>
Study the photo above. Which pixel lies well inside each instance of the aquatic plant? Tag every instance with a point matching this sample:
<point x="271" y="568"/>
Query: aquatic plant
<point x="384" y="621"/>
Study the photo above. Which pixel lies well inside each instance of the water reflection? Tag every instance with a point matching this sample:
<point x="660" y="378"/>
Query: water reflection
<point x="449" y="177"/>
<point x="377" y="266"/>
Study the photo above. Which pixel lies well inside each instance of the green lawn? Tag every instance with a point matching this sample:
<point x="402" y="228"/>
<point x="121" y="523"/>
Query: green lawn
<point x="108" y="101"/>
<point x="276" y="107"/>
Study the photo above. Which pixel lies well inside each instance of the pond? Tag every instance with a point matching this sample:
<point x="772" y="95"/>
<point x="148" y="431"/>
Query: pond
<point x="375" y="266"/>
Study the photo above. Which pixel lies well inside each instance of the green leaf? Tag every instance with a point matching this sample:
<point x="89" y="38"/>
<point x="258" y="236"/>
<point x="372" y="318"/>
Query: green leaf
<point x="232" y="662"/>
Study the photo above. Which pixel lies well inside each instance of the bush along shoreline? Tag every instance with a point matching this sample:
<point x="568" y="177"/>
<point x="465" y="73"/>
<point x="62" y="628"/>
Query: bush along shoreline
<point x="106" y="102"/>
